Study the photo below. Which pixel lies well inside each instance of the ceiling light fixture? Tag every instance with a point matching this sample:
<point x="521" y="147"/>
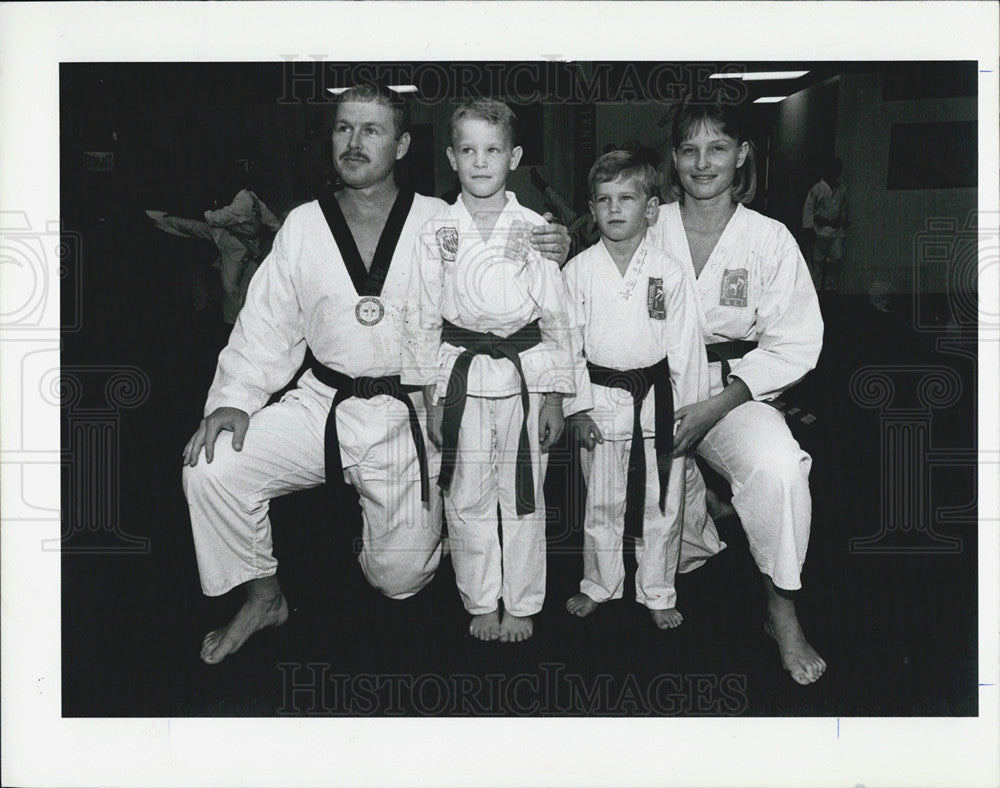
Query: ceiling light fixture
<point x="394" y="88"/>
<point x="751" y="76"/>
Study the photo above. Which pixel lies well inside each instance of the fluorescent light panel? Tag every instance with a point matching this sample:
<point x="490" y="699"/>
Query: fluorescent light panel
<point x="751" y="76"/>
<point x="394" y="88"/>
<point x="769" y="99"/>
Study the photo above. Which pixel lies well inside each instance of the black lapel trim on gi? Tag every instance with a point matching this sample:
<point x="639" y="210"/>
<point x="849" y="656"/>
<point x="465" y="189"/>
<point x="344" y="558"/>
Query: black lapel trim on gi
<point x="367" y="282"/>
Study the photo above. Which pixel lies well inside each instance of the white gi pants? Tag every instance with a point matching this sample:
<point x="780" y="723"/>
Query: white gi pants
<point x="752" y="448"/>
<point x="484" y="478"/>
<point x="282" y="453"/>
<point x="606" y="471"/>
<point x="827" y="255"/>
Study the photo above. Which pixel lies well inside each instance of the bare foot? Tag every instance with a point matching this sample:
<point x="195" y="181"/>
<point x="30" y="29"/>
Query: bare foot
<point x="581" y="605"/>
<point x="514" y="629"/>
<point x="666" y="619"/>
<point x="797" y="656"/>
<point x="485" y="626"/>
<point x="265" y="607"/>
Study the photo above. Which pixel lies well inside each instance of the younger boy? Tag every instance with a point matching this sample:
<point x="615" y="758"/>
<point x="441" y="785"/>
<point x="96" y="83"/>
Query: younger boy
<point x="636" y="321"/>
<point x="488" y="338"/>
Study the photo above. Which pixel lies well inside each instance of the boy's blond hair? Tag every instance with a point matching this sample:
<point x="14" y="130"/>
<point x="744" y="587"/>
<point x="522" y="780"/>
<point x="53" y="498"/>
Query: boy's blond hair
<point x="492" y="111"/>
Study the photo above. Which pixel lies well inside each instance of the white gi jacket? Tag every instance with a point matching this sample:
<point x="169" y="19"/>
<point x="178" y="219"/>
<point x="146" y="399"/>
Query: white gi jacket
<point x="826" y="203"/>
<point x="631" y="322"/>
<point x="755" y="286"/>
<point x="303" y="295"/>
<point x="236" y="231"/>
<point x="496" y="286"/>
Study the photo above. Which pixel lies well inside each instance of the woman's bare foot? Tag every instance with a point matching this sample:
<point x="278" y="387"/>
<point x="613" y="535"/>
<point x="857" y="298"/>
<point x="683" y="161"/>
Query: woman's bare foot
<point x="514" y="629"/>
<point x="485" y="626"/>
<point x="797" y="656"/>
<point x="666" y="619"/>
<point x="581" y="605"/>
<point x="265" y="607"/>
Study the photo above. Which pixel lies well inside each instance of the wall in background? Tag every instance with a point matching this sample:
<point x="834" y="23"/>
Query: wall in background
<point x="889" y="235"/>
<point x="803" y="136"/>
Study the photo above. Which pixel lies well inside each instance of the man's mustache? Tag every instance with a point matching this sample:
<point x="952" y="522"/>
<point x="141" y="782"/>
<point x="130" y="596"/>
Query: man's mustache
<point x="353" y="155"/>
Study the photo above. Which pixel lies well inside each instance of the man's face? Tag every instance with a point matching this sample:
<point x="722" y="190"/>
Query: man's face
<point x="365" y="148"/>
<point x="482" y="156"/>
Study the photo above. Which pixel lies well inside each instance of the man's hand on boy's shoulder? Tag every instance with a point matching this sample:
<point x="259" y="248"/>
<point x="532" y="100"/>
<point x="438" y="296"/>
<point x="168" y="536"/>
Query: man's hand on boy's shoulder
<point x="584" y="430"/>
<point x="551" y="239"/>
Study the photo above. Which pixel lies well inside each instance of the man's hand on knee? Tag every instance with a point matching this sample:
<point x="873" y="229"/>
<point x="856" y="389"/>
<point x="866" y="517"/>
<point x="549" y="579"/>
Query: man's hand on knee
<point x="233" y="419"/>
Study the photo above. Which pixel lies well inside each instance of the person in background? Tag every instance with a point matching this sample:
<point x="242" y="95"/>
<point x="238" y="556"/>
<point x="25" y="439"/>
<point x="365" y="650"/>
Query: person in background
<point x="238" y="232"/>
<point x="825" y="213"/>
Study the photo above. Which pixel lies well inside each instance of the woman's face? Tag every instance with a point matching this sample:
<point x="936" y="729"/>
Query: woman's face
<point x="706" y="162"/>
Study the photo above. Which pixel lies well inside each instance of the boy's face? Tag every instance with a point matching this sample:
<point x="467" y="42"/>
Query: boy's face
<point x="622" y="209"/>
<point x="365" y="147"/>
<point x="482" y="156"/>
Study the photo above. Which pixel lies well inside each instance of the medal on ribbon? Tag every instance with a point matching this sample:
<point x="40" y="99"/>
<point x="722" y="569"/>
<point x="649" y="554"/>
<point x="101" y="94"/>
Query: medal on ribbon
<point x="369" y="311"/>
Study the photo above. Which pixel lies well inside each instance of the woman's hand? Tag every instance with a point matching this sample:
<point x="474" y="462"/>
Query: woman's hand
<point x="692" y="422"/>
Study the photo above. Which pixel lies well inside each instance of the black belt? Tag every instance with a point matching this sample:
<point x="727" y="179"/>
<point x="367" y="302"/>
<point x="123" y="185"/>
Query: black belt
<point x="366" y="388"/>
<point x="724" y="352"/>
<point x="477" y="344"/>
<point x="638" y="382"/>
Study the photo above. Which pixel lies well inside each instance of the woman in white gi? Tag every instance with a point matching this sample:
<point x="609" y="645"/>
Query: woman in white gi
<point x="763" y="330"/>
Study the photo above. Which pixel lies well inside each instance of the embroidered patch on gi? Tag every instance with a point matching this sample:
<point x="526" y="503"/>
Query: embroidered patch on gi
<point x="656" y="301"/>
<point x="447" y="241"/>
<point x="518" y="241"/>
<point x="369" y="311"/>
<point x="734" y="287"/>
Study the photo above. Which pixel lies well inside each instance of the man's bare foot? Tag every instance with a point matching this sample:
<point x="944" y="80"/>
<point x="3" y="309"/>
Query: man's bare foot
<point x="666" y="619"/>
<point x="581" y="605"/>
<point x="514" y="629"/>
<point x="485" y="626"/>
<point x="797" y="656"/>
<point x="265" y="607"/>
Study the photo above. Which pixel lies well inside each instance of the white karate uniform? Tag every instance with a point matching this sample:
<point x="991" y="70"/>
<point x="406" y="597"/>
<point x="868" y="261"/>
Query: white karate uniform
<point x="827" y="251"/>
<point x="631" y="322"/>
<point x="755" y="286"/>
<point x="236" y="231"/>
<point x="495" y="286"/>
<point x="302" y="294"/>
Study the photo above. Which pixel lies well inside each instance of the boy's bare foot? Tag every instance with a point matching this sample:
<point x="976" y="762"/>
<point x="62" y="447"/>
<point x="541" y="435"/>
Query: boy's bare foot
<point x="581" y="605"/>
<point x="265" y="607"/>
<point x="666" y="619"/>
<point x="485" y="626"/>
<point x="797" y="656"/>
<point x="514" y="629"/>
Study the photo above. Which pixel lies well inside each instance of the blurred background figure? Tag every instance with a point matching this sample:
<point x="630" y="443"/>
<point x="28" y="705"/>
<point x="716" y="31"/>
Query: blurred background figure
<point x="825" y="213"/>
<point x="241" y="229"/>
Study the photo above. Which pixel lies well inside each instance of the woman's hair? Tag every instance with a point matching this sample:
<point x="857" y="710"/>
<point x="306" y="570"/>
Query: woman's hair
<point x="688" y="118"/>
